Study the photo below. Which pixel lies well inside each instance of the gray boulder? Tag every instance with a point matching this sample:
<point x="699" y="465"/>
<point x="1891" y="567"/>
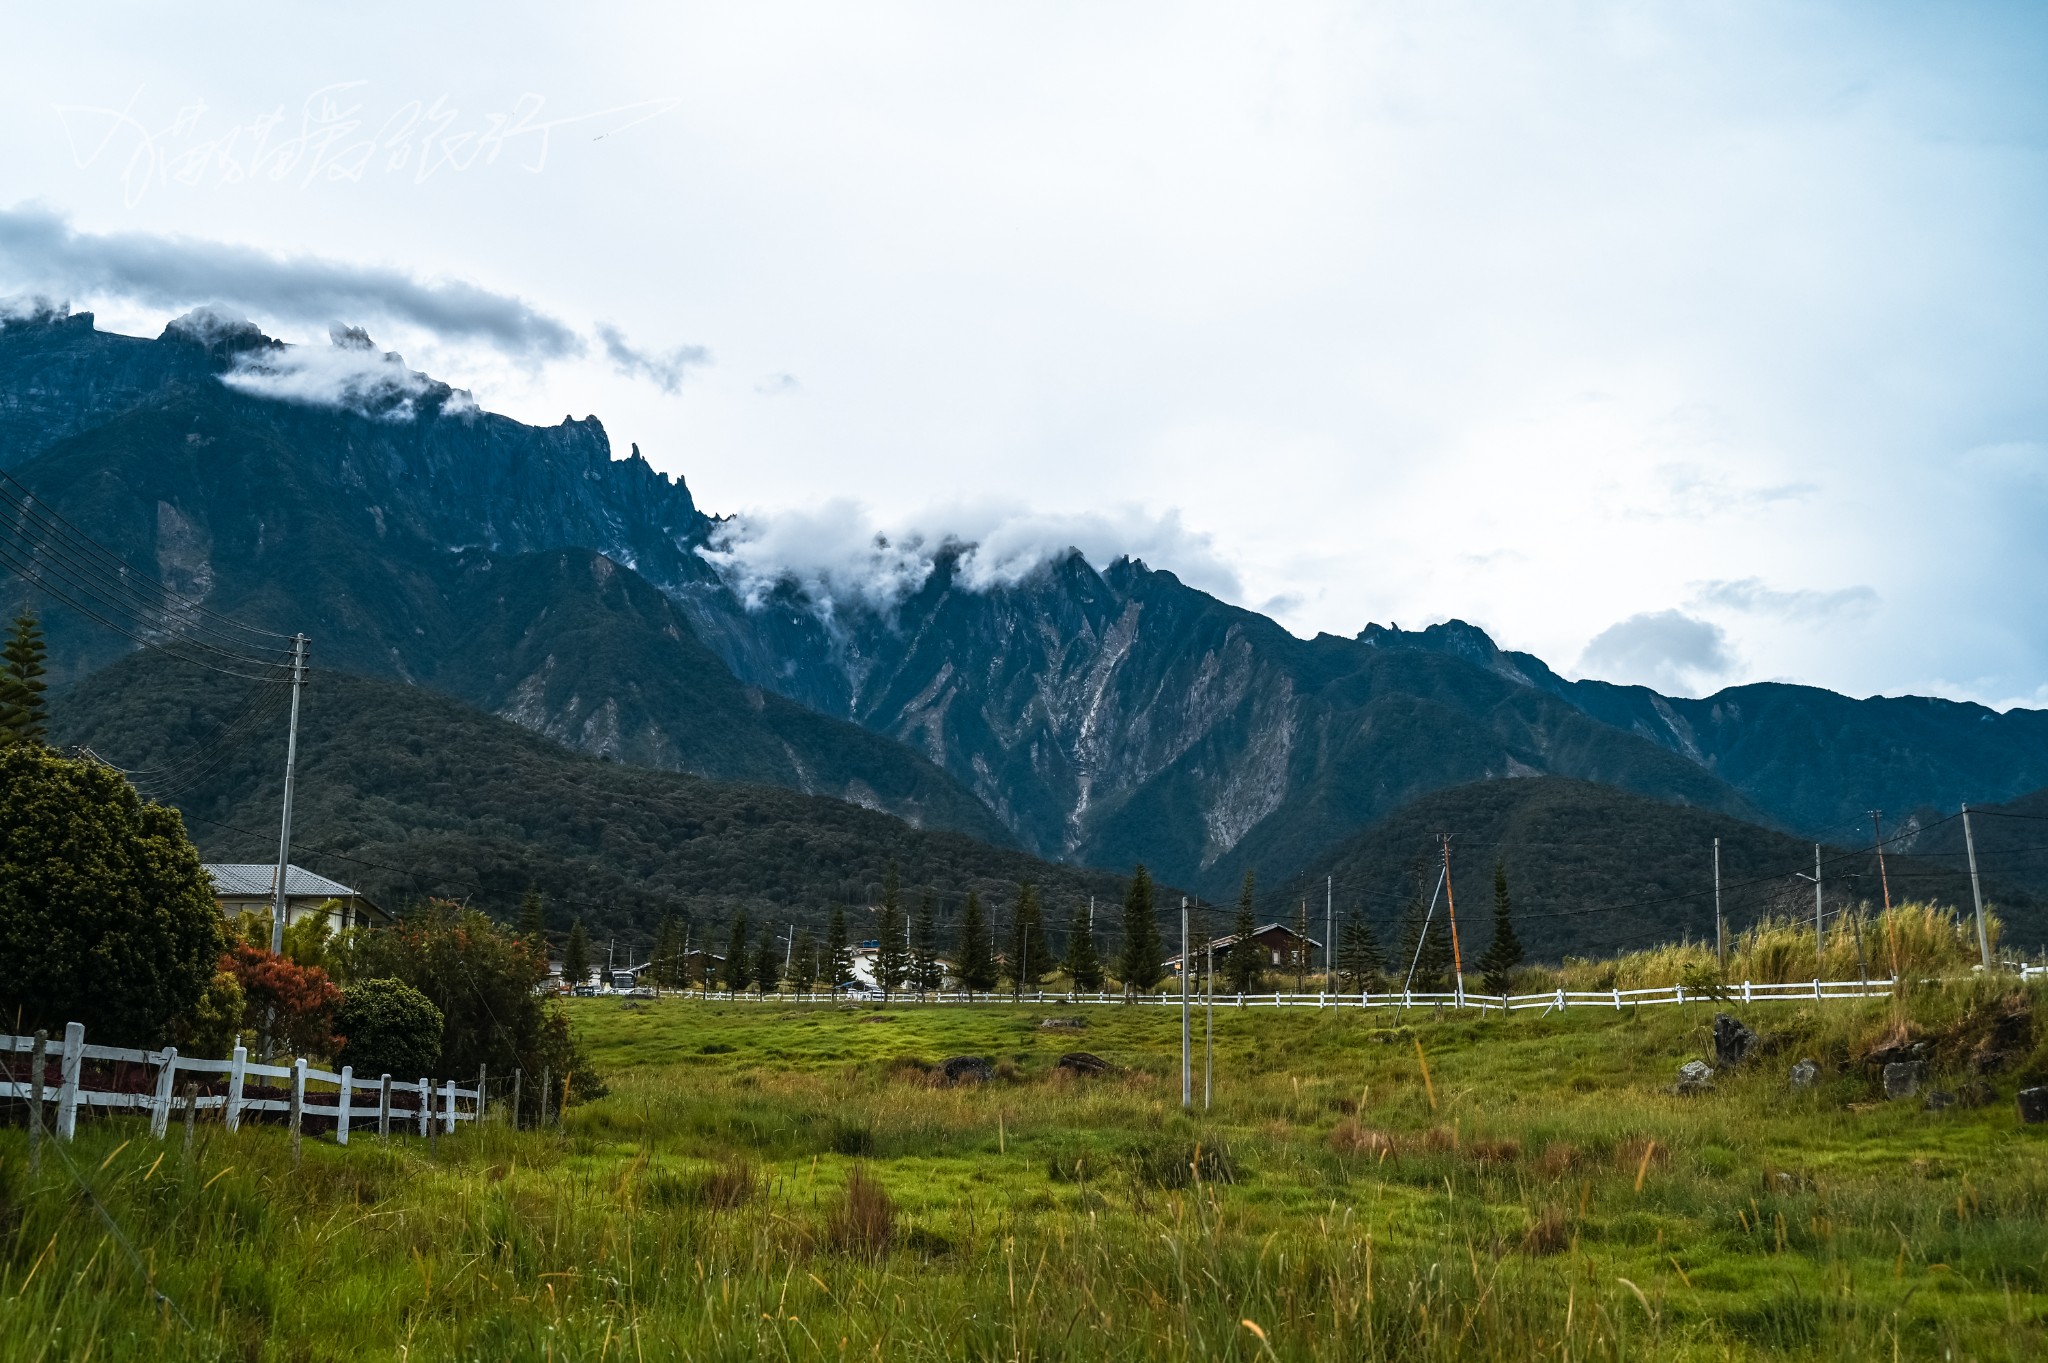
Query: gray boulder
<point x="1805" y="1074"/>
<point x="2033" y="1105"/>
<point x="1939" y="1099"/>
<point x="1081" y="1062"/>
<point x="1902" y="1078"/>
<point x="1694" y="1076"/>
<point x="1732" y="1041"/>
<point x="967" y="1069"/>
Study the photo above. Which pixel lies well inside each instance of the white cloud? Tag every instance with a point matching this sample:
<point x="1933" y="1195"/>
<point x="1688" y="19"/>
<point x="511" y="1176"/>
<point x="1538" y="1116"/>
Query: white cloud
<point x="1750" y="596"/>
<point x="1666" y="650"/>
<point x="664" y="369"/>
<point x="839" y="556"/>
<point x="348" y="372"/>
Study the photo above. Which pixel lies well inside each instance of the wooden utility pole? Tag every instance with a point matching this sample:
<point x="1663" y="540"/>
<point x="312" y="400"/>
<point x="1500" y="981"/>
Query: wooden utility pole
<point x="1877" y="832"/>
<point x="1209" y="1019"/>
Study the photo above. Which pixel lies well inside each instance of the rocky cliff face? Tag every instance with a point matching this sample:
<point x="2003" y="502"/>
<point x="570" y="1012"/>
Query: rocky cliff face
<point x="1104" y="716"/>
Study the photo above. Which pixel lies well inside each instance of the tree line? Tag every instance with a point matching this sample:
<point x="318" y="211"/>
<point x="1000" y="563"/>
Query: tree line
<point x="980" y="958"/>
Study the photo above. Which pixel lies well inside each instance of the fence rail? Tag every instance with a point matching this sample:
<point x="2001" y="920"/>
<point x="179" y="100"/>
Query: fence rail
<point x="1746" y="992"/>
<point x="83" y="1079"/>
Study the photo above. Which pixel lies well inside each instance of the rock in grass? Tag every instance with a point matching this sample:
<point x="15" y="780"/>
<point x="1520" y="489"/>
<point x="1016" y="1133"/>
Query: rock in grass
<point x="1062" y="1024"/>
<point x="1902" y="1078"/>
<point x="1694" y="1076"/>
<point x="1805" y="1074"/>
<point x="1732" y="1041"/>
<point x="1081" y="1062"/>
<point x="2034" y="1105"/>
<point x="967" y="1069"/>
<point x="1939" y="1099"/>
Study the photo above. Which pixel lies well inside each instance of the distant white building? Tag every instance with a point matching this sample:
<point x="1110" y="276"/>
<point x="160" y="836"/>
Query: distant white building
<point x="241" y="887"/>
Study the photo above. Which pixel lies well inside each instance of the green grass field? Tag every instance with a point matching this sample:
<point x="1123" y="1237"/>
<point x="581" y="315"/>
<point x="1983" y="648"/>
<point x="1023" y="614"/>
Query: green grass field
<point x="774" y="1181"/>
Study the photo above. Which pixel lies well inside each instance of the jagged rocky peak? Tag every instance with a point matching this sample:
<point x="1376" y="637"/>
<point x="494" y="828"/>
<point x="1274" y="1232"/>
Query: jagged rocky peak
<point x="35" y="312"/>
<point x="221" y="334"/>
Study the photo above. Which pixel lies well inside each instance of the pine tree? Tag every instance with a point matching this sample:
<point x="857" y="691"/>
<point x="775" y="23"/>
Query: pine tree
<point x="661" y="963"/>
<point x="1030" y="955"/>
<point x="838" y="954"/>
<point x="1246" y="959"/>
<point x="533" y="922"/>
<point x="1504" y="952"/>
<point x="975" y="961"/>
<point x="1083" y="965"/>
<point x="1425" y="940"/>
<point x="576" y="956"/>
<point x="737" y="967"/>
<point x="926" y="974"/>
<point x="768" y="961"/>
<point x="22" y="715"/>
<point x="1359" y="961"/>
<point x="892" y="938"/>
<point x="803" y="962"/>
<point x="1139" y="963"/>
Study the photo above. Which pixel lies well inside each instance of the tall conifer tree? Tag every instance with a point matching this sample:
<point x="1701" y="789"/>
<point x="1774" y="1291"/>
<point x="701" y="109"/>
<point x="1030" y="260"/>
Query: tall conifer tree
<point x="768" y="961"/>
<point x="1504" y="952"/>
<point x="1030" y="954"/>
<point x="803" y="962"/>
<point x="1139" y="963"/>
<point x="1246" y="959"/>
<point x="892" y="939"/>
<point x="576" y="956"/>
<point x="22" y="715"/>
<point x="926" y="974"/>
<point x="975" y="960"/>
<point x="838" y="951"/>
<point x="1359" y="960"/>
<point x="1084" y="963"/>
<point x="738" y="968"/>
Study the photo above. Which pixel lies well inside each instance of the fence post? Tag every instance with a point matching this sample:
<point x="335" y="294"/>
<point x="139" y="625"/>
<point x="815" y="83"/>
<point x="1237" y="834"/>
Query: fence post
<point x="448" y="1106"/>
<point x="74" y="1046"/>
<point x="483" y="1076"/>
<point x="191" y="1114"/>
<point x="348" y="1097"/>
<point x="547" y="1084"/>
<point x="298" y="1103"/>
<point x="166" y="1078"/>
<point x="384" y="1108"/>
<point x="426" y="1103"/>
<point x="67" y="1092"/>
<point x="35" y="1114"/>
<point x="237" y="1068"/>
<point x="517" y="1075"/>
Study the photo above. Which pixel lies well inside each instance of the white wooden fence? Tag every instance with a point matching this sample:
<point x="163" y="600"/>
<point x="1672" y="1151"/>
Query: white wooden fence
<point x="334" y="1096"/>
<point x="1807" y="991"/>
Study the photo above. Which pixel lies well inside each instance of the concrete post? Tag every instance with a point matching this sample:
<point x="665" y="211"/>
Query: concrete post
<point x="237" y="1074"/>
<point x="67" y="1094"/>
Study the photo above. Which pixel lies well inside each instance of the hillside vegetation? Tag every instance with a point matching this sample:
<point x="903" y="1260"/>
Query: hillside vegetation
<point x="1593" y="870"/>
<point x="405" y="793"/>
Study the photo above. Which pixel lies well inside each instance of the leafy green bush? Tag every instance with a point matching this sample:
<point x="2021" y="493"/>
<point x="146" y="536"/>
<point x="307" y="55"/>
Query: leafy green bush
<point x="389" y="1027"/>
<point x="482" y="978"/>
<point x="106" y="916"/>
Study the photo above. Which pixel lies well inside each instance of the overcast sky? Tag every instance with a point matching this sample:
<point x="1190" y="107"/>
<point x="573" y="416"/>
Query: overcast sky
<point x="1686" y="344"/>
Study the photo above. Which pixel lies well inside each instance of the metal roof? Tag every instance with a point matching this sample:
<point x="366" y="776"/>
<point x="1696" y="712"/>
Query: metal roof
<point x="236" y="879"/>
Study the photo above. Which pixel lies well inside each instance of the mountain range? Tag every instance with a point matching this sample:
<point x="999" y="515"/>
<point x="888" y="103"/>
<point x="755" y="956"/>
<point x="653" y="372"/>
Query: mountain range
<point x="1092" y="716"/>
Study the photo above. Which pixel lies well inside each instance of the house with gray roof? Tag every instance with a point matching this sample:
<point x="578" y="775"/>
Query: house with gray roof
<point x="241" y="887"/>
